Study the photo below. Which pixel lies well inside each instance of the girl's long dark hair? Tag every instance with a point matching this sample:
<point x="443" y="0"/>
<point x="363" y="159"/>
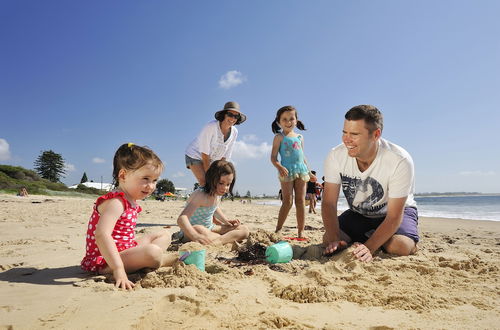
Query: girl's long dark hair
<point x="276" y="128"/>
<point x="218" y="169"/>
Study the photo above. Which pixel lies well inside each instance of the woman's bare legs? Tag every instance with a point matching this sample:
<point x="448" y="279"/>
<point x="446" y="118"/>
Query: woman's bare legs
<point x="199" y="173"/>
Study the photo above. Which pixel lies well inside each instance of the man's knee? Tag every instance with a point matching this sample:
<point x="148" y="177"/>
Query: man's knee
<point x="400" y="245"/>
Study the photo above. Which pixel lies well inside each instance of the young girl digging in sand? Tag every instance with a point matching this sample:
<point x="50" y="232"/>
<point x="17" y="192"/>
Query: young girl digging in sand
<point x="111" y="246"/>
<point x="293" y="170"/>
<point x="197" y="219"/>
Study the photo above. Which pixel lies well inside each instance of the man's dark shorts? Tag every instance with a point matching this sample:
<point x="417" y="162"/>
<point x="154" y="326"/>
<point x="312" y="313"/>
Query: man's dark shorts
<point x="359" y="228"/>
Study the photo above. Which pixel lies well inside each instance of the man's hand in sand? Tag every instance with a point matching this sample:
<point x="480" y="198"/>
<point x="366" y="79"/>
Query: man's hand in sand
<point x="361" y="252"/>
<point x="121" y="279"/>
<point x="335" y="246"/>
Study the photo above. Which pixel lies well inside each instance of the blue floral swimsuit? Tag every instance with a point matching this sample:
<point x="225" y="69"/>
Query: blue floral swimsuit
<point x="292" y="157"/>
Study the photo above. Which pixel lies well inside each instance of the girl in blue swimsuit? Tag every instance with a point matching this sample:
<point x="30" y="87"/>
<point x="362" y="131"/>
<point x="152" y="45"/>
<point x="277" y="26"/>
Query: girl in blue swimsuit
<point x="202" y="220"/>
<point x="293" y="170"/>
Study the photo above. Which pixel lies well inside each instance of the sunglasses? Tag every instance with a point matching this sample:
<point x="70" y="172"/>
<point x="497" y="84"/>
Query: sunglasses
<point x="233" y="115"/>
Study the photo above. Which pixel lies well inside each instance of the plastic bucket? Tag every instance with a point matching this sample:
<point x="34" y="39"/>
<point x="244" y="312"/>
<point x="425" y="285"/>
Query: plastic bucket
<point x="280" y="252"/>
<point x="196" y="258"/>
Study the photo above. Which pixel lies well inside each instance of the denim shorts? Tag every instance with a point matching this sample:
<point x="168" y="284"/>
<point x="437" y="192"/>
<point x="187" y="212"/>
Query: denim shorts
<point x="359" y="227"/>
<point x="191" y="161"/>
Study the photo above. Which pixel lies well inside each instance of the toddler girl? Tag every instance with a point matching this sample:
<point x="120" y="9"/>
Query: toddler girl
<point x="202" y="220"/>
<point x="293" y="171"/>
<point x="111" y="246"/>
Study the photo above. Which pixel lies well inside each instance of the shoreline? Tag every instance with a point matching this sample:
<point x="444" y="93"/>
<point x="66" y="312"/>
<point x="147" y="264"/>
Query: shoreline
<point x="452" y="281"/>
<point x="276" y="203"/>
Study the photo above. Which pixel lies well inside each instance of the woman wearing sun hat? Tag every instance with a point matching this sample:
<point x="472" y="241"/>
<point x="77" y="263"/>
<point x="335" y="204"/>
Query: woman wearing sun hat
<point x="215" y="141"/>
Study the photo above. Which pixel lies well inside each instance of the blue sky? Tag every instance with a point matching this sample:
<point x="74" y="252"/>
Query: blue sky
<point x="81" y="78"/>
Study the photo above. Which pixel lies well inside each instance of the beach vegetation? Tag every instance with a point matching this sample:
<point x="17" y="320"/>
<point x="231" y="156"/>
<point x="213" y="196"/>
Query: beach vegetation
<point x="84" y="178"/>
<point x="50" y="165"/>
<point x="13" y="178"/>
<point x="164" y="186"/>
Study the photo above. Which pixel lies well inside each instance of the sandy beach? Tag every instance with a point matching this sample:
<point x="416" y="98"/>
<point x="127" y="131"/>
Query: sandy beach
<point x="451" y="283"/>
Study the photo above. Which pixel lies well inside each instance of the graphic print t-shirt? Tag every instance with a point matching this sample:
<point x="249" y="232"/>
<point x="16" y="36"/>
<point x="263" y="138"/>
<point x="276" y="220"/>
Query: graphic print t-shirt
<point x="391" y="175"/>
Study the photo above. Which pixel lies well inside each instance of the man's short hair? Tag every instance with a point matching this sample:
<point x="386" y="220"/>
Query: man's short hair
<point x="370" y="114"/>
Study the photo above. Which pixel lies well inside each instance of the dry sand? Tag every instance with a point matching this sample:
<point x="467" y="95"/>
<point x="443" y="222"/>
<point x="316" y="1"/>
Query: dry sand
<point x="451" y="283"/>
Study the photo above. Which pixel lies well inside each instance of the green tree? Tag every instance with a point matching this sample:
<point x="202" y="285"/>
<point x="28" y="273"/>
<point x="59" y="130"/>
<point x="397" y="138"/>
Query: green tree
<point x="84" y="178"/>
<point x="50" y="165"/>
<point x="164" y="186"/>
<point x="248" y="195"/>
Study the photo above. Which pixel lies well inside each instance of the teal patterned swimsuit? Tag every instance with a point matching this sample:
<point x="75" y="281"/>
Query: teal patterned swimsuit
<point x="292" y="157"/>
<point x="203" y="215"/>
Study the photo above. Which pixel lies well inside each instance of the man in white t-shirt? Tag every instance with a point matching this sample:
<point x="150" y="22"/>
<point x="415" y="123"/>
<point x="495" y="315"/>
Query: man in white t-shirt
<point x="377" y="179"/>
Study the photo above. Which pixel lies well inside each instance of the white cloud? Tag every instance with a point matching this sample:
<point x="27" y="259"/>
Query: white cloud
<point x="231" y="79"/>
<point x="478" y="173"/>
<point x="98" y="160"/>
<point x="69" y="167"/>
<point x="247" y="150"/>
<point x="179" y="175"/>
<point x="4" y="150"/>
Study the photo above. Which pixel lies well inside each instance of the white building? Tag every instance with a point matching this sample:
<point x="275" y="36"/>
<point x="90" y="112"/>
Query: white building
<point x="97" y="185"/>
<point x="181" y="192"/>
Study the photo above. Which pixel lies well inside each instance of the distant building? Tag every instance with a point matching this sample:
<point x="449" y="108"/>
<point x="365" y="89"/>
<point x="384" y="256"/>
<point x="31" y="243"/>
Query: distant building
<point x="181" y="192"/>
<point x="96" y="185"/>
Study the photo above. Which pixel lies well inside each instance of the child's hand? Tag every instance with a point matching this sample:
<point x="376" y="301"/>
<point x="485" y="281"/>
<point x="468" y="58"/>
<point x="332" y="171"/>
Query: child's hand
<point x="283" y="171"/>
<point x="202" y="239"/>
<point x="234" y="222"/>
<point x="121" y="279"/>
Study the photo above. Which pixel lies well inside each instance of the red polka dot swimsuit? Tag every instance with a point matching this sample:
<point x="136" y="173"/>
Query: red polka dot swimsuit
<point x="123" y="233"/>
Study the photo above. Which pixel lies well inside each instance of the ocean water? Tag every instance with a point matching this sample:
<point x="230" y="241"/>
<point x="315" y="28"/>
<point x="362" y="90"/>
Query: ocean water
<point x="483" y="207"/>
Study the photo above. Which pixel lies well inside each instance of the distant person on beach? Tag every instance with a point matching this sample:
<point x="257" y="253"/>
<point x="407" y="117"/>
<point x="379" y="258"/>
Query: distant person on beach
<point x="23" y="192"/>
<point x="311" y="193"/>
<point x="202" y="220"/>
<point x="111" y="246"/>
<point x="319" y="190"/>
<point x="215" y="141"/>
<point x="293" y="172"/>
<point x="377" y="178"/>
